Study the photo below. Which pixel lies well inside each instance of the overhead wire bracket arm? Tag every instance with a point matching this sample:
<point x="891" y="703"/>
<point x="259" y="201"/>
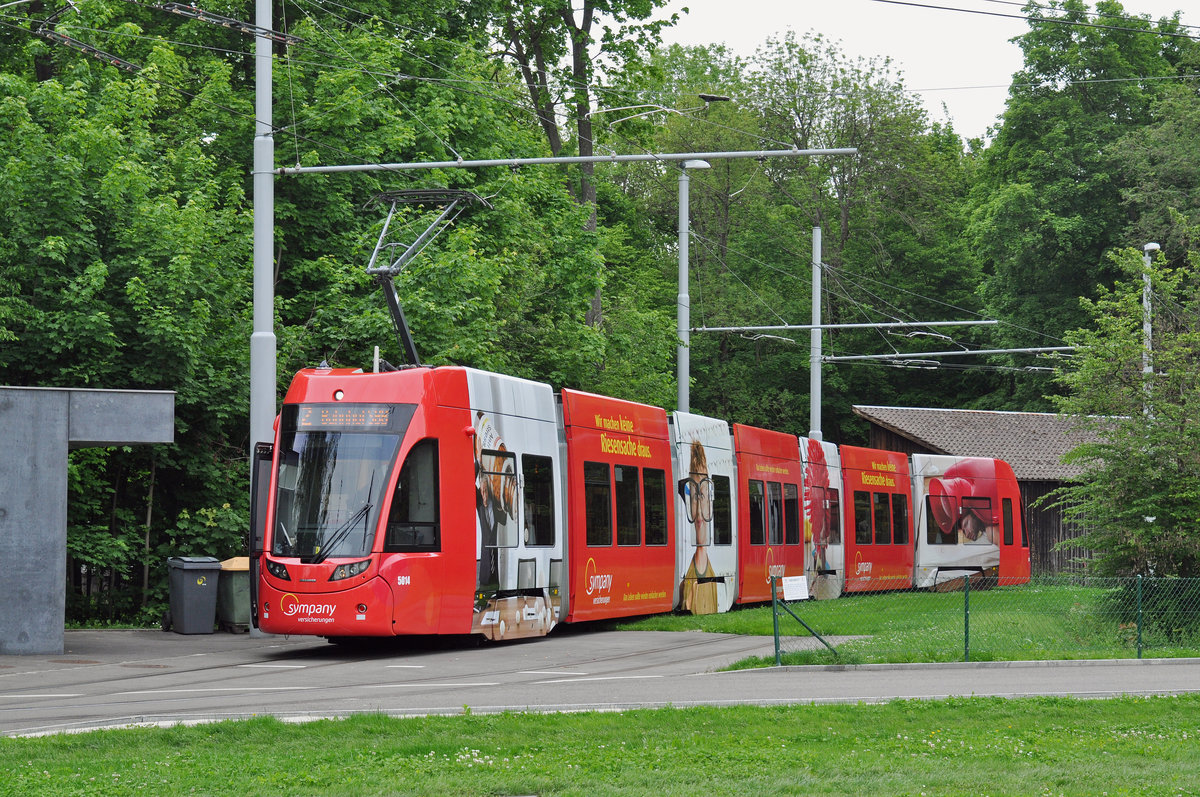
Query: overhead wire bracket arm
<point x="87" y="49"/>
<point x="193" y="12"/>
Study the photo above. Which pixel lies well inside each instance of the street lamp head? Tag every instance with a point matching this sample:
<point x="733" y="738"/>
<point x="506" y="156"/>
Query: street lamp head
<point x="712" y="98"/>
<point x="697" y="164"/>
<point x="1151" y="247"/>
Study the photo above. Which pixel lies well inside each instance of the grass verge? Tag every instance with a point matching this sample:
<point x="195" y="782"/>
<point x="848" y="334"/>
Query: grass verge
<point x="968" y="745"/>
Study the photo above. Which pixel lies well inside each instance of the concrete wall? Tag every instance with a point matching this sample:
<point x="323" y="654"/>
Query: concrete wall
<point x="37" y="428"/>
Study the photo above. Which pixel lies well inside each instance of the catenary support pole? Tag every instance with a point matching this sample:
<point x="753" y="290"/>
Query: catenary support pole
<point x="683" y="308"/>
<point x="262" y="341"/>
<point x="682" y="302"/>
<point x="814" y="342"/>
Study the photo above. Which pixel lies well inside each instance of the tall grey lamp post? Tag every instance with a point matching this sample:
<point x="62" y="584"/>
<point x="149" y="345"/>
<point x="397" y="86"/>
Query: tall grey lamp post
<point x="683" y="301"/>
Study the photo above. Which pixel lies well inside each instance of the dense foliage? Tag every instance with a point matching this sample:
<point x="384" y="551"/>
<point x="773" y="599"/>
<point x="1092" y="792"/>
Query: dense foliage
<point x="1139" y="496"/>
<point x="125" y="243"/>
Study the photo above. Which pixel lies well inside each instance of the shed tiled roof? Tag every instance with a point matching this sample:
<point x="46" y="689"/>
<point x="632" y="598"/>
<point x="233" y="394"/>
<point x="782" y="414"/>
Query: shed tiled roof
<point x="1032" y="442"/>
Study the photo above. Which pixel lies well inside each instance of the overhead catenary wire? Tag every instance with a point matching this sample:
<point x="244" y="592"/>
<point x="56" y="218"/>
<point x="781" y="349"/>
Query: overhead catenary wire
<point x="1088" y="13"/>
<point x="1050" y="19"/>
<point x="866" y="312"/>
<point x="880" y="326"/>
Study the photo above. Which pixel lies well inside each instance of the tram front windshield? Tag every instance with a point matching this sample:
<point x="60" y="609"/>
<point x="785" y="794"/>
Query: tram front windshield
<point x="334" y="464"/>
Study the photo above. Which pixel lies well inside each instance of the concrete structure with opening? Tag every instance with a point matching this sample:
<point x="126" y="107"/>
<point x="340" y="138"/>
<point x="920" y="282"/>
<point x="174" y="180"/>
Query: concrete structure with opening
<point x="38" y="426"/>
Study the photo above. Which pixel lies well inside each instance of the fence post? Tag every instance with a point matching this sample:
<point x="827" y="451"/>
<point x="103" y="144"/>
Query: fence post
<point x="775" y="620"/>
<point x="966" y="618"/>
<point x="1139" y="614"/>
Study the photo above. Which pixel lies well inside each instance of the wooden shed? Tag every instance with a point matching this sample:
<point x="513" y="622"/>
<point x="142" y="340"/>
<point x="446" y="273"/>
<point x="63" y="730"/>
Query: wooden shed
<point x="1032" y="442"/>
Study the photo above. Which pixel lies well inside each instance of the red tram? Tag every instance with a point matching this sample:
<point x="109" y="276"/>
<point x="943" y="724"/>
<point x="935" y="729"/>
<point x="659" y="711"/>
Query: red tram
<point x="451" y="501"/>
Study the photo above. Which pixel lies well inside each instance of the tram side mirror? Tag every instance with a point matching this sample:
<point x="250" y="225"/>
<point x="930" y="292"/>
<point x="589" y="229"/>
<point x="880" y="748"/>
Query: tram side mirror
<point x="260" y="483"/>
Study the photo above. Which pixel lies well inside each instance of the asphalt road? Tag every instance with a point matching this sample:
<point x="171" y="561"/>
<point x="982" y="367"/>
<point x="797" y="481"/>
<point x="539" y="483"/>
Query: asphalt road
<point x="118" y="678"/>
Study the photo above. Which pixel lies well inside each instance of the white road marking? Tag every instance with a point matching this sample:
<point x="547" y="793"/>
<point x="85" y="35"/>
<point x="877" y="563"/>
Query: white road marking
<point x="600" y="678"/>
<point x="218" y="689"/>
<point x="549" y="672"/>
<point x="423" y="683"/>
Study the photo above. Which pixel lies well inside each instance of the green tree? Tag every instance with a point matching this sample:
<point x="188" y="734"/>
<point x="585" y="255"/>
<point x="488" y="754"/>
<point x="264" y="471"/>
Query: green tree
<point x="1139" y="495"/>
<point x="562" y="50"/>
<point x="1161" y="175"/>
<point x="122" y="269"/>
<point x="1047" y="204"/>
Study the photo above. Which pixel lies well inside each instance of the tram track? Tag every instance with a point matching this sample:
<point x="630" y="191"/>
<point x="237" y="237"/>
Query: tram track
<point x="298" y="679"/>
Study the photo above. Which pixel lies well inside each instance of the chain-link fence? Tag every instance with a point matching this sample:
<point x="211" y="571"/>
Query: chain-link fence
<point x="979" y="619"/>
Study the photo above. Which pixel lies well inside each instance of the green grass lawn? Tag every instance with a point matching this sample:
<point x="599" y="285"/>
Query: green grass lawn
<point x="1030" y="622"/>
<point x="960" y="746"/>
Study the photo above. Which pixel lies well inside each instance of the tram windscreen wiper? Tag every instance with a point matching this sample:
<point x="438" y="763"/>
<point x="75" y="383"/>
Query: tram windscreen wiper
<point x="287" y="537"/>
<point x="340" y="534"/>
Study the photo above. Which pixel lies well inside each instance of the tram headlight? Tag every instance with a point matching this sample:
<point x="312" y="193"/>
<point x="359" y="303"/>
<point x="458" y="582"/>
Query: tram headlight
<point x="278" y="570"/>
<point x="350" y="570"/>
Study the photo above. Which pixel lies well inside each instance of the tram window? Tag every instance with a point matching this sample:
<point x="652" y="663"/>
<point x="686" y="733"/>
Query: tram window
<point x="862" y="517"/>
<point x="900" y="518"/>
<point x="598" y="502"/>
<point x="1024" y="529"/>
<point x="947" y="507"/>
<point x="974" y="522"/>
<point x="758" y="529"/>
<point x="1006" y="508"/>
<point x="833" y="499"/>
<point x="722" y="520"/>
<point x="775" y="513"/>
<point x="413" y="520"/>
<point x="497" y="489"/>
<point x="883" y="519"/>
<point x="791" y="514"/>
<point x="629" y="505"/>
<point x="654" y="490"/>
<point x="537" y="477"/>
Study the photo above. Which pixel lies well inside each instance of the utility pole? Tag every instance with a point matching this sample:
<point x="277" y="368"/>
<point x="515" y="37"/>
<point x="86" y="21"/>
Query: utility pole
<point x="262" y="341"/>
<point x="683" y="302"/>
<point x="814" y="343"/>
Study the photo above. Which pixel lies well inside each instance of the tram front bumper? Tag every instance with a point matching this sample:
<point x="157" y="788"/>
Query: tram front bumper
<point x="362" y="610"/>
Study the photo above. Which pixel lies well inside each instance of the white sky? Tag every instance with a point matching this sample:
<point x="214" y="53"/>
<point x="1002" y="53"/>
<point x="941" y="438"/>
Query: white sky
<point x="962" y="60"/>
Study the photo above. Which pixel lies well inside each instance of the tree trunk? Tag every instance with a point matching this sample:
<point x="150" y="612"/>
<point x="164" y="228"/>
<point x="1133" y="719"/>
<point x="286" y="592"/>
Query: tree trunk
<point x="580" y="38"/>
